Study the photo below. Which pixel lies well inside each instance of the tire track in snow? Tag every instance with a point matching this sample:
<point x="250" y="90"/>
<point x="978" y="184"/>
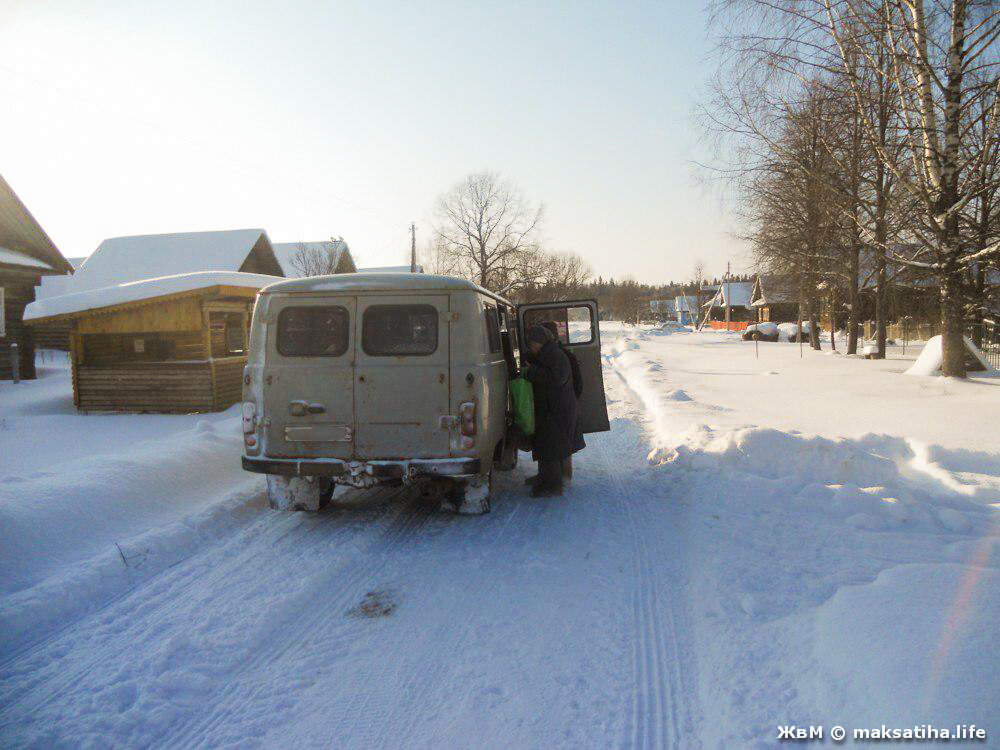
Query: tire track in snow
<point x="660" y="712"/>
<point x="38" y="686"/>
<point x="326" y="600"/>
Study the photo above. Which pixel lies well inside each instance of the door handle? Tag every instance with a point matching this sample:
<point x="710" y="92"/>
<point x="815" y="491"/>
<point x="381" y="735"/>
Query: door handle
<point x="300" y="408"/>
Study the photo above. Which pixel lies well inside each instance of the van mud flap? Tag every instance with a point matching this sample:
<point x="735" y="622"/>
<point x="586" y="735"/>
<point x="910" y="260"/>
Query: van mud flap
<point x="294" y="493"/>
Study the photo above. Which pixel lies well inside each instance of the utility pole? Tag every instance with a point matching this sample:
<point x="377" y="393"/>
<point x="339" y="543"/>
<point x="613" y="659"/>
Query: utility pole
<point x="727" y="296"/>
<point x="413" y="248"/>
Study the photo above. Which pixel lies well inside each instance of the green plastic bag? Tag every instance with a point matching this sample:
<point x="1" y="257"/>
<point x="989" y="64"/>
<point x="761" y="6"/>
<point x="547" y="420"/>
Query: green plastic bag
<point x="524" y="405"/>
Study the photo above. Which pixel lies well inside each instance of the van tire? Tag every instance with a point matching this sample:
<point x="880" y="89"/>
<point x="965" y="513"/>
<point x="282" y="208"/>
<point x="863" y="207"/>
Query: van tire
<point x="293" y="493"/>
<point x="471" y="498"/>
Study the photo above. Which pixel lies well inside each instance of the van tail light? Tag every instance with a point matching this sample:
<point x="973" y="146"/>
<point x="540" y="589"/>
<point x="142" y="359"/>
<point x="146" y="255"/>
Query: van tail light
<point x="250" y="424"/>
<point x="467" y="416"/>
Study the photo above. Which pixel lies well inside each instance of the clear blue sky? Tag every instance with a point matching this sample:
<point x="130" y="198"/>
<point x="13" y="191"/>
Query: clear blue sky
<point x="125" y="117"/>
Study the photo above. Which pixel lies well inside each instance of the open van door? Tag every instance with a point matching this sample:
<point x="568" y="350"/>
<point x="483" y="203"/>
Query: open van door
<point x="577" y="322"/>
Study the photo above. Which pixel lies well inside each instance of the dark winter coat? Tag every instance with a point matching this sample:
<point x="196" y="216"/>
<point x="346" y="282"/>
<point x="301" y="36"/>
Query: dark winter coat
<point x="574" y="366"/>
<point x="556" y="432"/>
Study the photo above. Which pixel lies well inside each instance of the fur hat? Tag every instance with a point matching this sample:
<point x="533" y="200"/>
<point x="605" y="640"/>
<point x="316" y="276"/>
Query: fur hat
<point x="539" y="335"/>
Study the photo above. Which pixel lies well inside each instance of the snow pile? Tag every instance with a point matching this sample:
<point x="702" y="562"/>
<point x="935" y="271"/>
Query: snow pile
<point x="767" y="329"/>
<point x="931" y="357"/>
<point x="141" y="290"/>
<point x="790" y="331"/>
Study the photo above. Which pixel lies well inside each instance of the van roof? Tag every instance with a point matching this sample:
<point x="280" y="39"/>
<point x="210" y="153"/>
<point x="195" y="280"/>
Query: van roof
<point x="377" y="282"/>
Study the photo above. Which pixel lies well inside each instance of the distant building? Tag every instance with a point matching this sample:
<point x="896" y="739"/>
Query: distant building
<point x="686" y="309"/>
<point x="27" y="255"/>
<point x="773" y="299"/>
<point x="734" y="295"/>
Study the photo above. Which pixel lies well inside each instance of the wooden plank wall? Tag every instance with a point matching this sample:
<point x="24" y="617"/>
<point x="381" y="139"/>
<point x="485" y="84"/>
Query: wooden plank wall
<point x="161" y="387"/>
<point x="227" y="381"/>
<point x="18" y="292"/>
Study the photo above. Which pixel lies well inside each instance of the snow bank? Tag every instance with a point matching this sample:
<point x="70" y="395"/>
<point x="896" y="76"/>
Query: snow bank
<point x="145" y="289"/>
<point x="931" y="357"/>
<point x="843" y="529"/>
<point x="768" y="329"/>
<point x="933" y="623"/>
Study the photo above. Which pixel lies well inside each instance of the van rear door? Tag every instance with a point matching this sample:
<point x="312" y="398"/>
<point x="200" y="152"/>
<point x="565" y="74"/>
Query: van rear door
<point x="401" y="380"/>
<point x="308" y="378"/>
<point x="577" y="323"/>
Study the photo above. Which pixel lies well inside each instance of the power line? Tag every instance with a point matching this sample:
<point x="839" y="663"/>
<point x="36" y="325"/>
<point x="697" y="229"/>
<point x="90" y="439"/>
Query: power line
<point x="386" y="247"/>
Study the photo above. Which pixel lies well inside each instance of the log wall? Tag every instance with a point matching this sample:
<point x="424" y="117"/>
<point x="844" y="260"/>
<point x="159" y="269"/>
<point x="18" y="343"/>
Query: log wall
<point x="160" y="387"/>
<point x="19" y="290"/>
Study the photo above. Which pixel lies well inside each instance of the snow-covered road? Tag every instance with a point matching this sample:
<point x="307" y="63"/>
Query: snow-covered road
<point x="724" y="563"/>
<point x="544" y="623"/>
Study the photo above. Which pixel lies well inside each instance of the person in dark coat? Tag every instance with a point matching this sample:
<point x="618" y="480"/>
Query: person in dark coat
<point x="549" y="373"/>
<point x="574" y="364"/>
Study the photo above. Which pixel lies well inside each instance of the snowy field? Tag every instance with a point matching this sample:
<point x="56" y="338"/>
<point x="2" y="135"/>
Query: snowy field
<point x="757" y="542"/>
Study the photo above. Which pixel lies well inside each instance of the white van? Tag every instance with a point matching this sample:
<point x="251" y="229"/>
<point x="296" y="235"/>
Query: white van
<point x="368" y="378"/>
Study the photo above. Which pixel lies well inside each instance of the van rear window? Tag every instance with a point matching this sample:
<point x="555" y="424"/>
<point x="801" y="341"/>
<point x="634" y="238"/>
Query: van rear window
<point x="313" y="331"/>
<point x="399" y="330"/>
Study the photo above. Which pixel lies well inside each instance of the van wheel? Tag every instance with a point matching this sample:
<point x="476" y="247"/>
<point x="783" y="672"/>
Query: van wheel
<point x="472" y="497"/>
<point x="293" y="493"/>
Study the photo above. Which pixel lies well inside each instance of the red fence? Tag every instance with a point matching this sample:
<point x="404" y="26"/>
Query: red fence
<point x="734" y="325"/>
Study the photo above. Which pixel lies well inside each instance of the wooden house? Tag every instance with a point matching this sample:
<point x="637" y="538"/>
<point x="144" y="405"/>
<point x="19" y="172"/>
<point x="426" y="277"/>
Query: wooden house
<point x="26" y="256"/>
<point x="774" y="300"/>
<point x="175" y="343"/>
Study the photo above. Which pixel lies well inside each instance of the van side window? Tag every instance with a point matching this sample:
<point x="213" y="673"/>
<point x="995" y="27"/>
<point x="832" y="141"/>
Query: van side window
<point x="492" y="328"/>
<point x="313" y="331"/>
<point x="399" y="330"/>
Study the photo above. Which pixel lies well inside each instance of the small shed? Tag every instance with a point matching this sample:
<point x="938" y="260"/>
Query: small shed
<point x="175" y="344"/>
<point x="158" y="323"/>
<point x="26" y="256"/>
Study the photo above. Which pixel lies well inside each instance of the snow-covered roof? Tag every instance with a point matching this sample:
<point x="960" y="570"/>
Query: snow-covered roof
<point x="23" y="237"/>
<point x="120" y="260"/>
<point x="286" y="251"/>
<point x="11" y="257"/>
<point x="738" y="293"/>
<point x="771" y="289"/>
<point x="135" y="291"/>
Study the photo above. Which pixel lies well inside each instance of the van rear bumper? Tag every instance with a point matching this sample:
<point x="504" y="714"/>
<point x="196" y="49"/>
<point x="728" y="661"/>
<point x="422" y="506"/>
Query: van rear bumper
<point x="378" y="470"/>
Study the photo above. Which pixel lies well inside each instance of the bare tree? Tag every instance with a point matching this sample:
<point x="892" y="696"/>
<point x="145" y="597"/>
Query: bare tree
<point x="487" y="226"/>
<point x="318" y="259"/>
<point x="699" y="272"/>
